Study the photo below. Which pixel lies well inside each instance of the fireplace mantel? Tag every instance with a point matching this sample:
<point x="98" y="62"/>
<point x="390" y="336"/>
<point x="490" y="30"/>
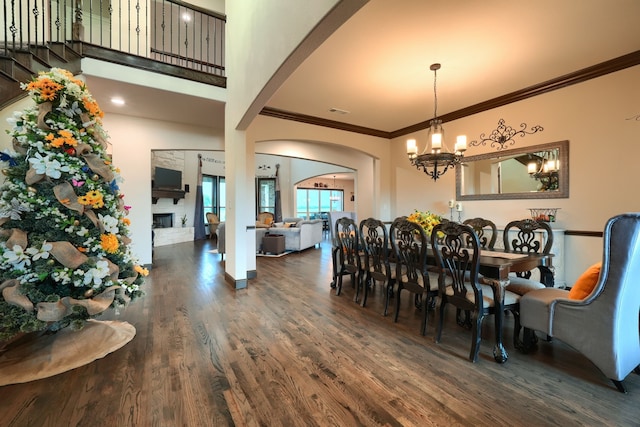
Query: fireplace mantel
<point x="176" y="195"/>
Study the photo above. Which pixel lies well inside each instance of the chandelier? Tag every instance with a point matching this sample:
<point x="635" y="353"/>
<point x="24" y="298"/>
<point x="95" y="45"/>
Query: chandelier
<point x="436" y="158"/>
<point x="334" y="197"/>
<point x="544" y="167"/>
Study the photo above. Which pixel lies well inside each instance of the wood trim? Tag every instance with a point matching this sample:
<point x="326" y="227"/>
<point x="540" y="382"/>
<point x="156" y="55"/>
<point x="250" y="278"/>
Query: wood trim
<point x="186" y="59"/>
<point x="598" y="70"/>
<point x="583" y="233"/>
<point x="110" y="55"/>
<point x="311" y="120"/>
<point x="237" y="284"/>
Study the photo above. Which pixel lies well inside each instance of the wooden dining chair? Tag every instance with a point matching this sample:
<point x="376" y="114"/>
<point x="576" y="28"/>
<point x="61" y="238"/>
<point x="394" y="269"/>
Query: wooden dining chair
<point x="457" y="253"/>
<point x="377" y="265"/>
<point x="349" y="258"/>
<point x="409" y="242"/>
<point x="486" y="231"/>
<point x="529" y="236"/>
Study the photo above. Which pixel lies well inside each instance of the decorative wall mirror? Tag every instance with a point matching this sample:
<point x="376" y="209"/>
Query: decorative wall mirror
<point x="534" y="172"/>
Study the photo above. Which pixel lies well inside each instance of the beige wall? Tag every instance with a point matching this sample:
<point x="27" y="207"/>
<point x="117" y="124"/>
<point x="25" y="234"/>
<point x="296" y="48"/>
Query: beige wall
<point x="133" y="139"/>
<point x="367" y="155"/>
<point x="264" y="45"/>
<point x="598" y="117"/>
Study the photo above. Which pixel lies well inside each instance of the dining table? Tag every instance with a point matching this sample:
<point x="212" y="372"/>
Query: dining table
<point x="495" y="265"/>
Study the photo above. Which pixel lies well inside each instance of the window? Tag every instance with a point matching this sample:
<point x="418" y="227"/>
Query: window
<point x="213" y="195"/>
<point x="266" y="195"/>
<point x="313" y="202"/>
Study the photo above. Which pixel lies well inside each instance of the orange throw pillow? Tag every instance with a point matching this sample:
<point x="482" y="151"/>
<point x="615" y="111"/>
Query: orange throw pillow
<point x="586" y="282"/>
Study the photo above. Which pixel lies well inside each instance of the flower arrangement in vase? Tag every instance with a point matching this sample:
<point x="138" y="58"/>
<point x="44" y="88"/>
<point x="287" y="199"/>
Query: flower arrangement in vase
<point x="427" y="220"/>
<point x="64" y="232"/>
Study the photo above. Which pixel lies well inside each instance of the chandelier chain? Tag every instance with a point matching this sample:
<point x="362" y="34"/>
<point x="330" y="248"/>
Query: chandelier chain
<point x="435" y="95"/>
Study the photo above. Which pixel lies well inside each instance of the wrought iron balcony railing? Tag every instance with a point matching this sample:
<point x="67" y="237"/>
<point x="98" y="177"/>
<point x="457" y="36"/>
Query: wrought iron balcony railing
<point x="41" y="33"/>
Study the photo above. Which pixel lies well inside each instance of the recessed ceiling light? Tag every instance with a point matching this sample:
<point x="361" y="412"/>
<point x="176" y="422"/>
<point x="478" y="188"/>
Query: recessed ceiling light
<point x="338" y="111"/>
<point x="117" y="101"/>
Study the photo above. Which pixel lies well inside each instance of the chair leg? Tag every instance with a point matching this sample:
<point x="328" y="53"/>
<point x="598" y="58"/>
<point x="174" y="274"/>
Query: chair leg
<point x="339" y="284"/>
<point x="516" y="329"/>
<point x="361" y="284"/>
<point x="440" y="321"/>
<point x="365" y="285"/>
<point x="425" y="317"/>
<point x="355" y="281"/>
<point x="476" y="338"/>
<point x="529" y="341"/>
<point x="387" y="297"/>
<point x="397" y="305"/>
<point x="334" y="264"/>
<point x="465" y="321"/>
<point x="620" y="386"/>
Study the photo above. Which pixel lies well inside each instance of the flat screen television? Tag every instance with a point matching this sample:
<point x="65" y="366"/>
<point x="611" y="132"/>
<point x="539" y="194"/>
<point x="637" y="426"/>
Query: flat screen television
<point x="167" y="179"/>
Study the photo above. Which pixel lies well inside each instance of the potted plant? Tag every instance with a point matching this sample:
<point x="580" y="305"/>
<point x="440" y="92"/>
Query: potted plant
<point x="184" y="220"/>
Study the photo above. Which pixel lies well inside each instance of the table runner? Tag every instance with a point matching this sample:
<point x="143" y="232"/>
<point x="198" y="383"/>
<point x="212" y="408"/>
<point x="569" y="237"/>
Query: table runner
<point x="507" y="255"/>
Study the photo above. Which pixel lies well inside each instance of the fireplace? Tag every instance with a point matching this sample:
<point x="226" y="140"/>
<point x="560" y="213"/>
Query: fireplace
<point x="163" y="220"/>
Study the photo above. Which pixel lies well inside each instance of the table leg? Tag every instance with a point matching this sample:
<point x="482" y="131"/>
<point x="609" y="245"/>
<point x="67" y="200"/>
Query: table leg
<point x="546" y="276"/>
<point x="499" y="352"/>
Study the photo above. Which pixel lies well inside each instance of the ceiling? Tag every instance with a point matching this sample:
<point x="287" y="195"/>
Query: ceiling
<point x="157" y="104"/>
<point x="376" y="65"/>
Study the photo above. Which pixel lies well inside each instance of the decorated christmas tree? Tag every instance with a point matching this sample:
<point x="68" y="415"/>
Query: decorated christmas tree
<point x="64" y="245"/>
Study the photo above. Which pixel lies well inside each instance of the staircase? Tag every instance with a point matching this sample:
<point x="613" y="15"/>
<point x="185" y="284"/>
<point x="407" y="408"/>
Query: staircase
<point x="22" y="63"/>
<point x="168" y="37"/>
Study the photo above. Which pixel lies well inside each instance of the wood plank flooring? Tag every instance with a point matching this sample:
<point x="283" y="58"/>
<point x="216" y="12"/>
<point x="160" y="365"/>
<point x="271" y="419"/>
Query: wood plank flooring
<point x="287" y="352"/>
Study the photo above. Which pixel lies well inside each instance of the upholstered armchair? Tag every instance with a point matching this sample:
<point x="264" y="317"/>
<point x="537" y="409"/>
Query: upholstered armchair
<point x="603" y="325"/>
<point x="220" y="239"/>
<point x="265" y="220"/>
<point x="212" y="222"/>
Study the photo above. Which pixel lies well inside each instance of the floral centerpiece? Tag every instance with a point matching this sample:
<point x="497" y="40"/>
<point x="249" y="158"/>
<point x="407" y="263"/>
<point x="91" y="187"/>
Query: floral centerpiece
<point x="427" y="220"/>
<point x="64" y="253"/>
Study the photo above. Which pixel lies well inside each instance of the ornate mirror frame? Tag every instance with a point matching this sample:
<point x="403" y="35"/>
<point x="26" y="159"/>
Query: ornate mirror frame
<point x="563" y="173"/>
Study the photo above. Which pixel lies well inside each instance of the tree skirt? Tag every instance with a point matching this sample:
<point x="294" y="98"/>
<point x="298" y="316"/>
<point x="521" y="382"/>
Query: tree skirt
<point x="49" y="355"/>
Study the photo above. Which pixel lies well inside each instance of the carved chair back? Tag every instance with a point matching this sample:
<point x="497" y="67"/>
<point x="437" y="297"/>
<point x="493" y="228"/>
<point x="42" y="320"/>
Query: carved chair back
<point x="530" y="236"/>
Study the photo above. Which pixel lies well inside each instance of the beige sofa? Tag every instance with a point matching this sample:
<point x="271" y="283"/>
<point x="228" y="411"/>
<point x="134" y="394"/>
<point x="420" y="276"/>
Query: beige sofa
<point x="221" y="239"/>
<point x="302" y="234"/>
<point x="299" y="234"/>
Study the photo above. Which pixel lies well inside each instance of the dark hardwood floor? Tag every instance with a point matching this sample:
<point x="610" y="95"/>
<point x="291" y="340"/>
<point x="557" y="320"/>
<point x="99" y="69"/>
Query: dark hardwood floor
<point x="287" y="352"/>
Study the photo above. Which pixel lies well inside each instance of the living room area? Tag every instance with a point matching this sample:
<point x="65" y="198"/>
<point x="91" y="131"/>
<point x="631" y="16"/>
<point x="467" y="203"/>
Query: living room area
<point x="298" y="220"/>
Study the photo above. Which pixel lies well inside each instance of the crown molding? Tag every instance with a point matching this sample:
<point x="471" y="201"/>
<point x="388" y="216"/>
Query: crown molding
<point x="312" y="120"/>
<point x="598" y="70"/>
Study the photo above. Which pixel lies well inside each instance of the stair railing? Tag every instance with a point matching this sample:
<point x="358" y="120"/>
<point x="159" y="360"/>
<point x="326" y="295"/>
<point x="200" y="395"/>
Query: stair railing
<point x="169" y="31"/>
